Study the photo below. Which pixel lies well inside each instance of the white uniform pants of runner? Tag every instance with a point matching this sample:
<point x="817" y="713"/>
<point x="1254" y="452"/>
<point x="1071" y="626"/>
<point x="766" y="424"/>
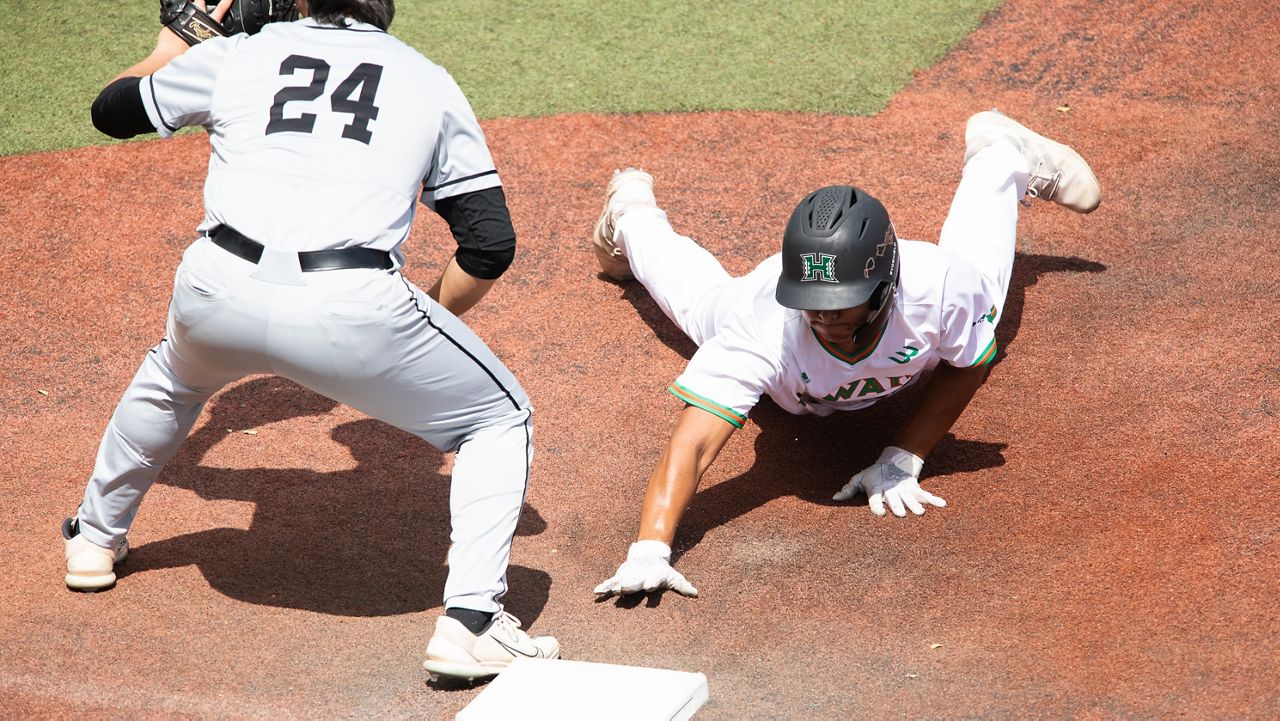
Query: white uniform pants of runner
<point x="696" y="292"/>
<point x="367" y="338"/>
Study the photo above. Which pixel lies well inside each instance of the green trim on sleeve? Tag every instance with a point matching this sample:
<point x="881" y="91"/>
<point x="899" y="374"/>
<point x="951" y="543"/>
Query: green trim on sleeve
<point x="987" y="355"/>
<point x="735" y="419"/>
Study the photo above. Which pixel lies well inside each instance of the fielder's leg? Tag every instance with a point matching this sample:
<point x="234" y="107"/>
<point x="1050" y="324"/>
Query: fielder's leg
<point x="153" y="418"/>
<point x="212" y="339"/>
<point x="378" y="343"/>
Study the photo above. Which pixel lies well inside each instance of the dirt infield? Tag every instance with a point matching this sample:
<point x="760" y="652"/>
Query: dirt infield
<point x="1110" y="548"/>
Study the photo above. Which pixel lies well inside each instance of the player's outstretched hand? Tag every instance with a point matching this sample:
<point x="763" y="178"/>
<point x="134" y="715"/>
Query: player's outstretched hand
<point x="647" y="568"/>
<point x="892" y="479"/>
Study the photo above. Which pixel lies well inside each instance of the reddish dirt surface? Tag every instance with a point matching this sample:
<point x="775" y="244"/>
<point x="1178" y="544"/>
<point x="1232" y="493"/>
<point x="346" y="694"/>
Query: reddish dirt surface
<point x="1110" y="549"/>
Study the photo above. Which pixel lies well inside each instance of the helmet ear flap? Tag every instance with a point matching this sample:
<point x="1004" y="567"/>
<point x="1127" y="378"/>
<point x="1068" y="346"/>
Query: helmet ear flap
<point x="880" y="295"/>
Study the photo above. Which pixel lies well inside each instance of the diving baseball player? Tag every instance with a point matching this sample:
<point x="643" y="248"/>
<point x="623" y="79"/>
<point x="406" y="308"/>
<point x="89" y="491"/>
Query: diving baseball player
<point x="845" y="315"/>
<point x="324" y="133"/>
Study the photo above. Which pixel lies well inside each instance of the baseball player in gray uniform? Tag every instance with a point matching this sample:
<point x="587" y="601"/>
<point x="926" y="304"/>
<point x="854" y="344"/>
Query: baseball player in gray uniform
<point x="325" y="132"/>
<point x="845" y="315"/>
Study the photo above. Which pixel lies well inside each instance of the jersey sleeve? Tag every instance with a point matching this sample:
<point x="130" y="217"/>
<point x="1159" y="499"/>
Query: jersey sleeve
<point x="728" y="374"/>
<point x="970" y="310"/>
<point x="181" y="93"/>
<point x="461" y="162"/>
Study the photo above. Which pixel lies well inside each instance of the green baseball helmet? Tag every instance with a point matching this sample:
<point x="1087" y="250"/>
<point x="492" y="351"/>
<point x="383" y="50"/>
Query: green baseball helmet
<point x="838" y="251"/>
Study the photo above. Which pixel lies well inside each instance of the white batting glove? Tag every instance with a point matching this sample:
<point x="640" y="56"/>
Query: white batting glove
<point x="892" y="479"/>
<point x="647" y="568"/>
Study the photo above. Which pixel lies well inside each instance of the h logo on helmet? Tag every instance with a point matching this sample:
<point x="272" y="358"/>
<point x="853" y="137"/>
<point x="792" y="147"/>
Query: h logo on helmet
<point x="819" y="266"/>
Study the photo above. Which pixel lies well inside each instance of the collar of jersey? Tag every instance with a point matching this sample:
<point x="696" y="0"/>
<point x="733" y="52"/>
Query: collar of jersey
<point x="357" y="27"/>
<point x="858" y="355"/>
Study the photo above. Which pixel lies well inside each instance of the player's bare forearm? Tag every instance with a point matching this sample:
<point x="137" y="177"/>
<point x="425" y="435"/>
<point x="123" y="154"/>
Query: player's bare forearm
<point x="945" y="397"/>
<point x="693" y="447"/>
<point x="457" y="290"/>
<point x="168" y="47"/>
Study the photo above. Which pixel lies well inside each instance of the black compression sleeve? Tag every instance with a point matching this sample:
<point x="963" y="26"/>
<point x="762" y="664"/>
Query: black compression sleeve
<point x="119" y="111"/>
<point x="485" y="264"/>
<point x="481" y="224"/>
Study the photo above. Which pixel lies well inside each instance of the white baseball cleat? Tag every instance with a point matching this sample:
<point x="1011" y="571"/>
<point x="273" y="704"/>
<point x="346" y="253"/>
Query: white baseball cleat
<point x="90" y="567"/>
<point x="630" y="188"/>
<point x="1058" y="173"/>
<point x="456" y="652"/>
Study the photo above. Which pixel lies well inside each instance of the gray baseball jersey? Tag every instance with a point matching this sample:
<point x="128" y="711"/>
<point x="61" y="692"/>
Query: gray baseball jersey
<point x="322" y="137"/>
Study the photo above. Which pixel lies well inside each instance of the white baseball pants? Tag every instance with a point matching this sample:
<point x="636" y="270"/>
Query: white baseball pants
<point x="367" y="338"/>
<point x="696" y="292"/>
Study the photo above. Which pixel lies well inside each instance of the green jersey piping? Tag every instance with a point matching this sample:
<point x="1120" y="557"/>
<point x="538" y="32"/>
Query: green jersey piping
<point x="987" y="355"/>
<point x="735" y="419"/>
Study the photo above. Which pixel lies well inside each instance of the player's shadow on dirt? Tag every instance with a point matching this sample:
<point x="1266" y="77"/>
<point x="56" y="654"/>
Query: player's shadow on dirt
<point x="811" y="457"/>
<point x="1027" y="271"/>
<point x="369" y="541"/>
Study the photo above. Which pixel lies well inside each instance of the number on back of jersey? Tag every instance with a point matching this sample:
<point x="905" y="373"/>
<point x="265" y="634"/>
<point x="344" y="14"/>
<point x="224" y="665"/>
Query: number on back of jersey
<point x="344" y="99"/>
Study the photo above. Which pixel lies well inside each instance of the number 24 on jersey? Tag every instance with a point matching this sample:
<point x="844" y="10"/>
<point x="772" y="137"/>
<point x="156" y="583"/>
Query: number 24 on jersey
<point x="344" y="99"/>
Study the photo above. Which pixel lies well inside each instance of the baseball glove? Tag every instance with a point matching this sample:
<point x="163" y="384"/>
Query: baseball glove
<point x="194" y="25"/>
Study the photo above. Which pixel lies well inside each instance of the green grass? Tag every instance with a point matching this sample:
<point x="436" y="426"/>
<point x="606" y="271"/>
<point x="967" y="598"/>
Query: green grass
<point x="531" y="57"/>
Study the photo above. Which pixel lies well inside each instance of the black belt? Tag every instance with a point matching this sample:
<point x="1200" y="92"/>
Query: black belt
<point x="232" y="241"/>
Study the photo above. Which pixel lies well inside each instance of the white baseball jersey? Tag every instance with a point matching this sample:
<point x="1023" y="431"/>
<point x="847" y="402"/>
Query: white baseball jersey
<point x="946" y="307"/>
<point x="296" y="148"/>
<point x="942" y="311"/>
